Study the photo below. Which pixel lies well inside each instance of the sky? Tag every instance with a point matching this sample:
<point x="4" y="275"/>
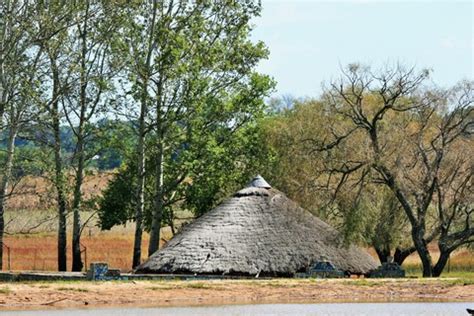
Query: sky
<point x="309" y="41"/>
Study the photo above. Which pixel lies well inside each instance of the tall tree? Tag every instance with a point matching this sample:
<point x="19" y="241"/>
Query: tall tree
<point x="372" y="216"/>
<point x="87" y="87"/>
<point x="52" y="22"/>
<point x="324" y="162"/>
<point x="410" y="164"/>
<point x="195" y="57"/>
<point x="18" y="75"/>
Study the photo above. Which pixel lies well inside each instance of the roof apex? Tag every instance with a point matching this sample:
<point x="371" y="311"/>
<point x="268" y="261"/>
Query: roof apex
<point x="259" y="182"/>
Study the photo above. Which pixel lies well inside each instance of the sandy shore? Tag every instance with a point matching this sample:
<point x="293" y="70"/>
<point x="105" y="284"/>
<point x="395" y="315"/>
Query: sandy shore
<point x="43" y="295"/>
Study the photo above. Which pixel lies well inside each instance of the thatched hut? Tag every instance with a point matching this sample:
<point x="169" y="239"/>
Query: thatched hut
<point x="258" y="231"/>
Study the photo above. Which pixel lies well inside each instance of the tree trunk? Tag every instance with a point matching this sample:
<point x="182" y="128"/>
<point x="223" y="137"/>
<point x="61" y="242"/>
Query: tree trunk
<point x="441" y="263"/>
<point x="422" y="250"/>
<point x="61" y="196"/>
<point x="137" y="245"/>
<point x="4" y="185"/>
<point x="77" y="264"/>
<point x="59" y="176"/>
<point x="401" y="254"/>
<point x="417" y="229"/>
<point x="157" y="212"/>
<point x="3" y="89"/>
<point x="383" y="253"/>
<point x="158" y="203"/>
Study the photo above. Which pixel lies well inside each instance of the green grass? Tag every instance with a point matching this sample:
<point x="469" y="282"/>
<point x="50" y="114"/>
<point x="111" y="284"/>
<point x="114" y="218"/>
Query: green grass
<point x="461" y="273"/>
<point x="199" y="285"/>
<point x="73" y="289"/>
<point x="281" y="284"/>
<point x="5" y="290"/>
<point x="364" y="282"/>
<point x="161" y="288"/>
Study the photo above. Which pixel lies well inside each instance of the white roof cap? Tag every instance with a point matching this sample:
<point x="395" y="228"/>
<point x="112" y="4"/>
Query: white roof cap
<point x="259" y="182"/>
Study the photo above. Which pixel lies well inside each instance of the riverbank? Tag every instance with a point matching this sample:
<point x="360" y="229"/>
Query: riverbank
<point x="77" y="294"/>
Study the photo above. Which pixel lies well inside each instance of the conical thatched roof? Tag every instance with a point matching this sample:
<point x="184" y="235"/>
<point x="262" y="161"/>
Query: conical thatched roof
<point x="257" y="231"/>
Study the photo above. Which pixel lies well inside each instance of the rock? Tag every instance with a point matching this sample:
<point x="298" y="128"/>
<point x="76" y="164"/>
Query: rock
<point x="388" y="270"/>
<point x="97" y="271"/>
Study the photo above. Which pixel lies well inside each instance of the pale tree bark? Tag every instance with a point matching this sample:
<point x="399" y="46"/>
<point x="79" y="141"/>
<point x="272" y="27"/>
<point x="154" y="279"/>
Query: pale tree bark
<point x="3" y="97"/>
<point x="77" y="264"/>
<point x="142" y="130"/>
<point x="85" y="104"/>
<point x="52" y="22"/>
<point x="17" y="75"/>
<point x="158" y="203"/>
<point x="5" y="28"/>
<point x="7" y="172"/>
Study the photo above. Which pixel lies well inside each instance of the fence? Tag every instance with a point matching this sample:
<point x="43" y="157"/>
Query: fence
<point x="9" y="261"/>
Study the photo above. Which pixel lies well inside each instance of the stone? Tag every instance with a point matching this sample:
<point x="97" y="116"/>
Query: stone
<point x="388" y="270"/>
<point x="98" y="271"/>
<point x="113" y="273"/>
<point x="324" y="269"/>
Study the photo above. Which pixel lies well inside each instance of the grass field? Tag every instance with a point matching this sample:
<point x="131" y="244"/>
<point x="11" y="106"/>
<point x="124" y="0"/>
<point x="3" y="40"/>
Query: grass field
<point x="38" y="251"/>
<point x="31" y="224"/>
<point x="31" y="235"/>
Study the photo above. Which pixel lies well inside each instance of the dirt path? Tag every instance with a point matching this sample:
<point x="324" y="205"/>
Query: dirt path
<point x="178" y="293"/>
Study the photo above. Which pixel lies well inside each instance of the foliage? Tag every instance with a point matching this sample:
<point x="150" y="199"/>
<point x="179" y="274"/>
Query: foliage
<point x="220" y="163"/>
<point x="372" y="145"/>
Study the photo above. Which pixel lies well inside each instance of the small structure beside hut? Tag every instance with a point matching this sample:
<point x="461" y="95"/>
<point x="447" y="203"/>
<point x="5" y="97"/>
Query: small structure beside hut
<point x="388" y="269"/>
<point x="321" y="269"/>
<point x="257" y="232"/>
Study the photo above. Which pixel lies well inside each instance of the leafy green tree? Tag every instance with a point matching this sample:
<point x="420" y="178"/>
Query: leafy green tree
<point x="216" y="164"/>
<point x="371" y="217"/>
<point x="191" y="67"/>
<point x="19" y="63"/>
<point x="76" y="87"/>
<point x="50" y="26"/>
<point x="88" y="86"/>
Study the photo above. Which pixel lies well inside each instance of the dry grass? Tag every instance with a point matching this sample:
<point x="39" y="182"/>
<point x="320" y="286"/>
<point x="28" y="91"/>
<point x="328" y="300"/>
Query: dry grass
<point x="31" y="224"/>
<point x="73" y="289"/>
<point x="37" y="193"/>
<point x="38" y="251"/>
<point x="460" y="263"/>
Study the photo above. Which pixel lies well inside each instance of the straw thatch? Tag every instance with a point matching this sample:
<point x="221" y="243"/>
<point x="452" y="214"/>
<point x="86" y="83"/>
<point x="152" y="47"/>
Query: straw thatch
<point x="257" y="231"/>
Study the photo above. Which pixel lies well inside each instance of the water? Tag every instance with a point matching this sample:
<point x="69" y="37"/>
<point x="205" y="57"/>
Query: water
<point x="386" y="309"/>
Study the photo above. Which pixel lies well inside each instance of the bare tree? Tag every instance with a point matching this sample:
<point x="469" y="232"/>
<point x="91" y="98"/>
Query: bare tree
<point x="407" y="159"/>
<point x="454" y="187"/>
